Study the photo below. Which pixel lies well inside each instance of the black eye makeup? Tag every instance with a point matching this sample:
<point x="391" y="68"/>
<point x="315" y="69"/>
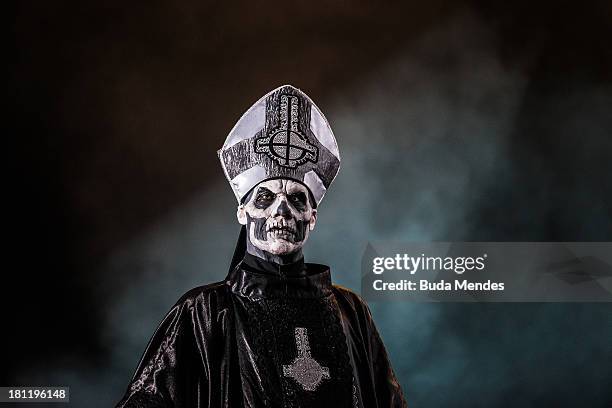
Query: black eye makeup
<point x="263" y="198"/>
<point x="298" y="200"/>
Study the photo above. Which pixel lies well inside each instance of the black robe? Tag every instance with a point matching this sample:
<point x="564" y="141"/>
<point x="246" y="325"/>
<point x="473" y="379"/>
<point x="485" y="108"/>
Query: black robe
<point x="267" y="336"/>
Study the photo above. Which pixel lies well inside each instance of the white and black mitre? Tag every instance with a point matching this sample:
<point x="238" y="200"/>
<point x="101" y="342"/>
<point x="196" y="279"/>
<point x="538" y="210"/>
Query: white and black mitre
<point x="283" y="135"/>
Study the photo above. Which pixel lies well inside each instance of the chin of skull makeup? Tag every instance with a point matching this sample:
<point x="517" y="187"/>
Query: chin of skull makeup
<point x="278" y="216"/>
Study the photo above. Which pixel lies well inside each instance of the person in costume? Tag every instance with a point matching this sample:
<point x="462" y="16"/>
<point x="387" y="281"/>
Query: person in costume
<point x="276" y="332"/>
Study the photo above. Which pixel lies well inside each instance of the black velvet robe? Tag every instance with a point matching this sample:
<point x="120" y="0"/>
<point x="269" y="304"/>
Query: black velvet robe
<point x="267" y="336"/>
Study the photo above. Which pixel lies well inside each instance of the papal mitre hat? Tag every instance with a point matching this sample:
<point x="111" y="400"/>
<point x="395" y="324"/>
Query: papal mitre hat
<point x="283" y="135"/>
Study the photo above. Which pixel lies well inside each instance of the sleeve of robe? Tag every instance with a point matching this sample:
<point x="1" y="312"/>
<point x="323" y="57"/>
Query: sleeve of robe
<point x="388" y="390"/>
<point x="167" y="375"/>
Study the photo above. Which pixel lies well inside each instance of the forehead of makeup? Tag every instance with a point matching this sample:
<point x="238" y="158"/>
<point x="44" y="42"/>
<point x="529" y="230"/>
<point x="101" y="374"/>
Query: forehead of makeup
<point x="283" y="186"/>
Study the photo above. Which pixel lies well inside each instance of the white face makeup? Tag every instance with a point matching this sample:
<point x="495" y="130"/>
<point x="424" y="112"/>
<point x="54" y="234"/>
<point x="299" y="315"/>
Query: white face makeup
<point x="279" y="216"/>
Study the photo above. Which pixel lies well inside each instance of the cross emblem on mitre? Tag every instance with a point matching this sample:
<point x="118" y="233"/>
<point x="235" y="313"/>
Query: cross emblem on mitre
<point x="286" y="144"/>
<point x="304" y="369"/>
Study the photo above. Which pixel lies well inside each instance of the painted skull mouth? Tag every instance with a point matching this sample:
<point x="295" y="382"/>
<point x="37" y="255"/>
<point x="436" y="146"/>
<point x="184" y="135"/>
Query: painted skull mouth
<point x="281" y="230"/>
<point x="270" y="229"/>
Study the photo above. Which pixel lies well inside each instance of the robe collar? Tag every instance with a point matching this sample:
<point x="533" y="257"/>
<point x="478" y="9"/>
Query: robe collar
<point x="257" y="278"/>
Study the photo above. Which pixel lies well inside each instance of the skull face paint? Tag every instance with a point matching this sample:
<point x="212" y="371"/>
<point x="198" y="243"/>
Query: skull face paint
<point x="278" y="216"/>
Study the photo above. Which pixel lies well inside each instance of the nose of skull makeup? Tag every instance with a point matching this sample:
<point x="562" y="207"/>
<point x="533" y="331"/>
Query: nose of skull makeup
<point x="283" y="209"/>
<point x="279" y="216"/>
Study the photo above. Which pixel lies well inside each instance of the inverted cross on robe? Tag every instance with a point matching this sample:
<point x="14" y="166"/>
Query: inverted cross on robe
<point x="304" y="369"/>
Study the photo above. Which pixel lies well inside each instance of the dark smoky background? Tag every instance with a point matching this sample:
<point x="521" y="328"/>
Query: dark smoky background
<point x="467" y="120"/>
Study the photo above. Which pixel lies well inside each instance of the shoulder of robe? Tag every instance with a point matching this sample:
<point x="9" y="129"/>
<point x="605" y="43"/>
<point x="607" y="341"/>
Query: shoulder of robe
<point x="350" y="298"/>
<point x="211" y="298"/>
<point x="357" y="304"/>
